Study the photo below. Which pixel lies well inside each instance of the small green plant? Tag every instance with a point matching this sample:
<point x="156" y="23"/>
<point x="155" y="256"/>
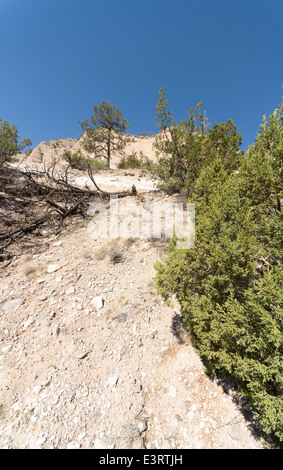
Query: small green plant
<point x="81" y="162"/>
<point x="96" y="164"/>
<point x="108" y="247"/>
<point x="29" y="269"/>
<point x="133" y="161"/>
<point x="87" y="253"/>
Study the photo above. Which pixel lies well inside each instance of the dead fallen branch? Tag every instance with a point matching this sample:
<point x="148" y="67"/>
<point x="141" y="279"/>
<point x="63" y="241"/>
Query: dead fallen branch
<point x="35" y="202"/>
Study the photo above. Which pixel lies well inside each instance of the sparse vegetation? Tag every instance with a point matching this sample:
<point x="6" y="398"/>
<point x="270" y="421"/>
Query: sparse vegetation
<point x="32" y="268"/>
<point x="29" y="269"/>
<point x="107" y="247"/>
<point x="87" y="253"/>
<point x="134" y="161"/>
<point x="81" y="162"/>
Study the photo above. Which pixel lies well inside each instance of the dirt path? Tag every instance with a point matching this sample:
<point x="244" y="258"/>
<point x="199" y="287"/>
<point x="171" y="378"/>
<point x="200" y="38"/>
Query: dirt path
<point x="88" y="358"/>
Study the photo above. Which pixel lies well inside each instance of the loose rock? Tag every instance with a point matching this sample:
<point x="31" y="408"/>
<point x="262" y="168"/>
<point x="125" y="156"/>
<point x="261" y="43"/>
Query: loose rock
<point x="51" y="268"/>
<point x="83" y="355"/>
<point x="12" y="305"/>
<point x="97" y="302"/>
<point x="138" y="387"/>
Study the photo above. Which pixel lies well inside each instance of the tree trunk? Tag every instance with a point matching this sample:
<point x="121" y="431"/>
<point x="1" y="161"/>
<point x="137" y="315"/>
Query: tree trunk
<point x="109" y="149"/>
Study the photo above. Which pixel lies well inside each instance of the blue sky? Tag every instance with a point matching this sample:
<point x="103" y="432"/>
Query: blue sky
<point x="59" y="58"/>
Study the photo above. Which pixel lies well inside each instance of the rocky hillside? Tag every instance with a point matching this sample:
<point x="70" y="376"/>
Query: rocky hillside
<point x="46" y="152"/>
<point x="91" y="357"/>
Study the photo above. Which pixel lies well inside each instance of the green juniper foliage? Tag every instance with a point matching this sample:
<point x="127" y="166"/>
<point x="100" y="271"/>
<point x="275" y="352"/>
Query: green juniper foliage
<point x="9" y="142"/>
<point x="178" y="147"/>
<point x="81" y="162"/>
<point x="230" y="283"/>
<point x="134" y="161"/>
<point x="184" y="149"/>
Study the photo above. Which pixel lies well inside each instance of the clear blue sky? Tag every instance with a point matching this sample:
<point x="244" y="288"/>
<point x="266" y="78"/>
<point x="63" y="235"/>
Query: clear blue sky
<point x="59" y="58"/>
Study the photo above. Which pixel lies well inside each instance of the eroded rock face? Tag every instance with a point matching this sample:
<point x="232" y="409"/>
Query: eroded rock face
<point x="47" y="152"/>
<point x="54" y="148"/>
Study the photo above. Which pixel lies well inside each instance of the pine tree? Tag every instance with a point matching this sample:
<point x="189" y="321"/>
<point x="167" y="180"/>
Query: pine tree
<point x="179" y="146"/>
<point x="103" y="133"/>
<point x="184" y="149"/>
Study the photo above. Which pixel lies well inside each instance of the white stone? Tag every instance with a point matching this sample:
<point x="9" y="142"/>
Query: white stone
<point x="99" y="444"/>
<point x="51" y="268"/>
<point x="41" y="440"/>
<point x="70" y="291"/>
<point x="27" y="323"/>
<point x="235" y="432"/>
<point x="172" y="392"/>
<point x="12" y="305"/>
<point x="141" y="425"/>
<point x="113" y="379"/>
<point x="37" y="389"/>
<point x="97" y="302"/>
